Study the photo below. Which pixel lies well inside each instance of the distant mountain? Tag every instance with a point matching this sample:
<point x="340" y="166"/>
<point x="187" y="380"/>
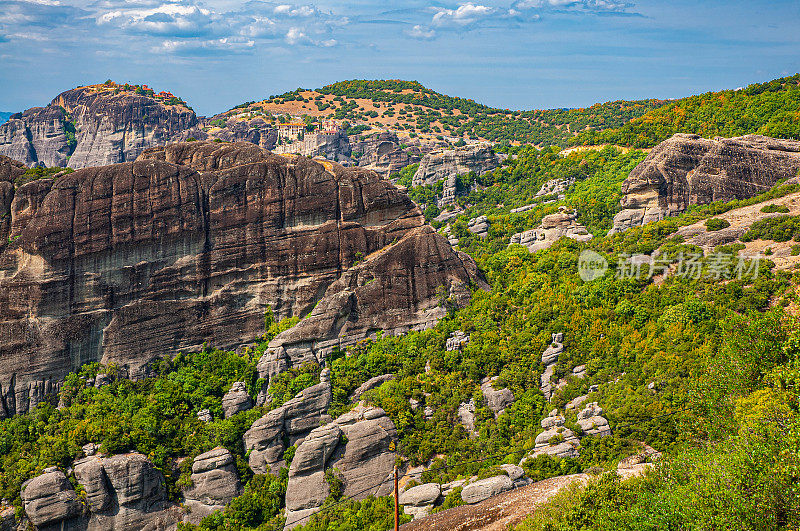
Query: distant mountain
<point x="4" y="116"/>
<point x="409" y="106"/>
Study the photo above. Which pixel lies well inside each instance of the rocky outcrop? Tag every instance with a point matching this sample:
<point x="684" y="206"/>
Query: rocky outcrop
<point x="382" y="152"/>
<point x="358" y="447"/>
<point x="592" y="422"/>
<point x="496" y="399"/>
<point x="689" y="170"/>
<point x="549" y="360"/>
<point x="486" y="488"/>
<point x="331" y="146"/>
<point x="215" y="482"/>
<point x="192" y="243"/>
<point x="93" y="126"/>
<point x="418" y="501"/>
<point x="255" y="130"/>
<point x="49" y="499"/>
<point x="448" y="164"/>
<point x="265" y="440"/>
<point x="466" y="416"/>
<point x="236" y="400"/>
<point x="479" y="226"/>
<point x="554" y="187"/>
<point x="125" y="492"/>
<point x="457" y="340"/>
<point x="556" y="440"/>
<point x="562" y="224"/>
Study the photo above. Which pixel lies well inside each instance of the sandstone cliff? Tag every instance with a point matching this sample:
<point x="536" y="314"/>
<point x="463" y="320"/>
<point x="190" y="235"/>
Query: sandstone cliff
<point x="192" y="243"/>
<point x="689" y="170"/>
<point x="92" y="126"/>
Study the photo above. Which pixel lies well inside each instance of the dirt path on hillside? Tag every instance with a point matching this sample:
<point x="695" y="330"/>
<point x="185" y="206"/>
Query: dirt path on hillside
<point x="507" y="509"/>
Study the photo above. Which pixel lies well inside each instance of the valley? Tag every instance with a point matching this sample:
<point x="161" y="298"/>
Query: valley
<point x="554" y="319"/>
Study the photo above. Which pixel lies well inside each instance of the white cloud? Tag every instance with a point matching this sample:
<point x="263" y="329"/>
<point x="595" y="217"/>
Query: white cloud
<point x="167" y="19"/>
<point x="295" y="35"/>
<point x="421" y="32"/>
<point x="584" y="5"/>
<point x="463" y="15"/>
<point x="222" y="46"/>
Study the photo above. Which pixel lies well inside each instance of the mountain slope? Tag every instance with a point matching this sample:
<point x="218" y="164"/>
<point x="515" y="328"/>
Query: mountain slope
<point x="771" y="109"/>
<point x="409" y="106"/>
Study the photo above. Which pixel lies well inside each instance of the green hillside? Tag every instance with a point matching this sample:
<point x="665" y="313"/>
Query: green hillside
<point x="771" y="109"/>
<point x="429" y="111"/>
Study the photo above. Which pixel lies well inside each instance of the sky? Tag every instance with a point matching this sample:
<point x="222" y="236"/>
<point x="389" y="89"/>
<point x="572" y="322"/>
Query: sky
<point x="523" y="54"/>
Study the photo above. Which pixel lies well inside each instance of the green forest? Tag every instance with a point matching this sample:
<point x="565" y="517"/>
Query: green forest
<point x="771" y="109"/>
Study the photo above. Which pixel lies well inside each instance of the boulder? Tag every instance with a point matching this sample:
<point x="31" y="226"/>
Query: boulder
<point x="49" y="498"/>
<point x="486" y="488"/>
<point x="689" y="170"/>
<point x="236" y="400"/>
<point x="496" y="399"/>
<point x="514" y="472"/>
<point x="215" y="482"/>
<point x="592" y="422"/>
<point x="466" y="415"/>
<point x="204" y="415"/>
<point x="479" y="226"/>
<point x="421" y="495"/>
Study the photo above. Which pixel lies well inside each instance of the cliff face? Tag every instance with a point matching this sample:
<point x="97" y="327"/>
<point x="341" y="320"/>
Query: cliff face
<point x="690" y="170"/>
<point x="192" y="243"/>
<point x="92" y="126"/>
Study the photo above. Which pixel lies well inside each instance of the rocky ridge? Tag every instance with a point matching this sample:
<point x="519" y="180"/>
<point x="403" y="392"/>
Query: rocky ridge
<point x="690" y="170"/>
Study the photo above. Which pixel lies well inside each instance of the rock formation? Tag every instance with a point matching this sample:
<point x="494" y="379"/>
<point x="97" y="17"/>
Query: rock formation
<point x="457" y="340"/>
<point x="479" y="226"/>
<point x="236" y="400"/>
<point x="553" y="187"/>
<point x="496" y="399"/>
<point x="372" y="383"/>
<point x="556" y="440"/>
<point x="448" y="164"/>
<point x="49" y="499"/>
<point x="215" y="482"/>
<point x="466" y="415"/>
<point x="592" y="422"/>
<point x="486" y="488"/>
<point x="382" y="152"/>
<point x="358" y="446"/>
<point x="331" y="146"/>
<point x="265" y="440"/>
<point x="255" y="130"/>
<point x="689" y="170"/>
<point x="562" y="224"/>
<point x="93" y="126"/>
<point x="418" y="501"/>
<point x="549" y="359"/>
<point x="192" y="243"/>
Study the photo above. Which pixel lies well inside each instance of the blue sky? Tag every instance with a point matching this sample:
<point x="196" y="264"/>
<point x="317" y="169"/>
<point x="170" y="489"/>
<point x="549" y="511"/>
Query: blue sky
<point x="522" y="54"/>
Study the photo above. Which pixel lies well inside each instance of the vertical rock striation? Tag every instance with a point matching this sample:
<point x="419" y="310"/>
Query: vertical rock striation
<point x="192" y="243"/>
